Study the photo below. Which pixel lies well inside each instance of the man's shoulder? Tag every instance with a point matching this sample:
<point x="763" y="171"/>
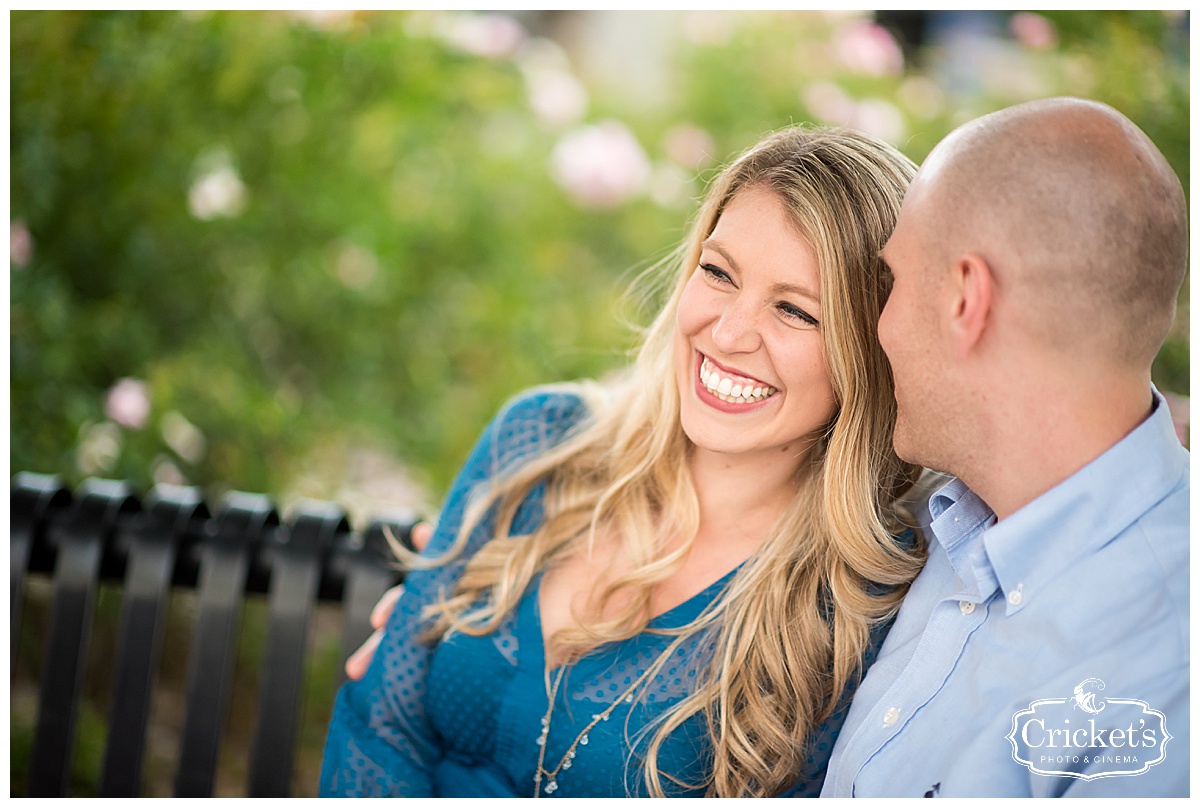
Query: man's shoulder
<point x="1120" y="612"/>
<point x="1168" y="520"/>
<point x="1152" y="554"/>
<point x="1156" y="557"/>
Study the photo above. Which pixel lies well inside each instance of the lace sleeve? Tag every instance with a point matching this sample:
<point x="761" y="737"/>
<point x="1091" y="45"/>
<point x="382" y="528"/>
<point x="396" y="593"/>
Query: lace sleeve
<point x="380" y="741"/>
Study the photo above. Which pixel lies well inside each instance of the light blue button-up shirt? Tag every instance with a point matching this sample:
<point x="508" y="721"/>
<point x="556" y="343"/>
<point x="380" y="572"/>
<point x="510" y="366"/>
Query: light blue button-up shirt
<point x="1088" y="583"/>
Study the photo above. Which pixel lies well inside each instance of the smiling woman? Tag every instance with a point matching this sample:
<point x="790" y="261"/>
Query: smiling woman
<point x="670" y="585"/>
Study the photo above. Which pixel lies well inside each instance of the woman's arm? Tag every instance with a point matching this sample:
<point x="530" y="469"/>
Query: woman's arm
<point x="380" y="741"/>
<point x="358" y="662"/>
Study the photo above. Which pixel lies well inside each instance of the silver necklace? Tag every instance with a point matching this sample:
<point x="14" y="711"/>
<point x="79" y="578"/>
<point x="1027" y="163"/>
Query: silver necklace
<point x="581" y="739"/>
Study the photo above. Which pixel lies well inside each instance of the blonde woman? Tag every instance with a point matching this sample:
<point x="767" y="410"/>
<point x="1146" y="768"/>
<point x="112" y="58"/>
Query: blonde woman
<point x="670" y="585"/>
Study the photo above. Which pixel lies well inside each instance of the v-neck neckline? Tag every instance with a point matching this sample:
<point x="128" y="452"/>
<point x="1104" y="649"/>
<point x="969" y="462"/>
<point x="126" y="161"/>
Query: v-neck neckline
<point x="529" y="626"/>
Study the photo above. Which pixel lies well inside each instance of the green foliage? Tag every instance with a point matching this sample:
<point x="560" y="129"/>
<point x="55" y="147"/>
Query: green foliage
<point x="389" y="257"/>
<point x="380" y="277"/>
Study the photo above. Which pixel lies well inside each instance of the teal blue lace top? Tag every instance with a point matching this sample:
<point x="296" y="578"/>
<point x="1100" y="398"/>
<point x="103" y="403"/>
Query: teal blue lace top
<point x="462" y="717"/>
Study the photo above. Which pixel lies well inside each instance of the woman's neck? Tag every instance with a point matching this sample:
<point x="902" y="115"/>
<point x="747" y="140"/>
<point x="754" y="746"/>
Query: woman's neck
<point x="741" y="496"/>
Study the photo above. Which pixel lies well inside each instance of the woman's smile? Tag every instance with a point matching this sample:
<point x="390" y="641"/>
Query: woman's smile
<point x="728" y="390"/>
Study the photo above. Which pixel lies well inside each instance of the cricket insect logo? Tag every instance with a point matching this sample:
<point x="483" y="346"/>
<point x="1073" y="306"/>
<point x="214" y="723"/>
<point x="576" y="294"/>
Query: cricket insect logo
<point x="1087" y="700"/>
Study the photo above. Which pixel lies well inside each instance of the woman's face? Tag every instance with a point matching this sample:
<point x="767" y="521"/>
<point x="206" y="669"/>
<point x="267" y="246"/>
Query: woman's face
<point x="749" y="358"/>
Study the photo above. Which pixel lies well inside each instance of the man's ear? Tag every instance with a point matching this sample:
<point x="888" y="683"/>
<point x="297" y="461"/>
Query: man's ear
<point x="973" y="286"/>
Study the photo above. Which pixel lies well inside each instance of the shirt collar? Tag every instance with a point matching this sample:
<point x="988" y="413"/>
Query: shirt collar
<point x="958" y="518"/>
<point x="1027" y="550"/>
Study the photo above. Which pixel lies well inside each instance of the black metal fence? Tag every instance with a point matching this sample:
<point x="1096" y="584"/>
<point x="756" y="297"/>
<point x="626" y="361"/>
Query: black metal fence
<point x="171" y="540"/>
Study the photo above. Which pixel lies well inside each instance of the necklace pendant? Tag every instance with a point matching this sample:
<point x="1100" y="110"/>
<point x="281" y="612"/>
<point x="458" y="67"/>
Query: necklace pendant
<point x="551" y="786"/>
<point x="583" y="739"/>
<point x="566" y="764"/>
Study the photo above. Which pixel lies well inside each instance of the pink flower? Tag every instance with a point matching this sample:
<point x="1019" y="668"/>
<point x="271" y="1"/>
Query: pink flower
<point x="20" y="244"/>
<point x="128" y="403"/>
<point x="689" y="146"/>
<point x="600" y="166"/>
<point x="828" y="103"/>
<point x="879" y="118"/>
<point x="867" y="48"/>
<point x="709" y="27"/>
<point x="492" y="35"/>
<point x="1033" y="30"/>
<point x="876" y="116"/>
<point x="324" y="20"/>
<point x="557" y="98"/>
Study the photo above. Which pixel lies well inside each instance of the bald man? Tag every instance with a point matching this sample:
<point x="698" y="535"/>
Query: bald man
<point x="1043" y="650"/>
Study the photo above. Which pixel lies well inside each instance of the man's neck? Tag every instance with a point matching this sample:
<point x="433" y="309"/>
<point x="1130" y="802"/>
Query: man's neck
<point x="1042" y="436"/>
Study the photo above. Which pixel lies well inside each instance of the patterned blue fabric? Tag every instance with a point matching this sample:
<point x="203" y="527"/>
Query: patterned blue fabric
<point x="462" y="717"/>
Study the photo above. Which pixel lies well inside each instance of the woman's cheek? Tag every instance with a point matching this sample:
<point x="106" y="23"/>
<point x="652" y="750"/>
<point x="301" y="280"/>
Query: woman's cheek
<point x="696" y="308"/>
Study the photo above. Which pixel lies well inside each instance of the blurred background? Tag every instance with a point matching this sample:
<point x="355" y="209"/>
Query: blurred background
<point x="310" y="253"/>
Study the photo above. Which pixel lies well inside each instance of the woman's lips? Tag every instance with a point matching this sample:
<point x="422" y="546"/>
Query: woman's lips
<point x="728" y="391"/>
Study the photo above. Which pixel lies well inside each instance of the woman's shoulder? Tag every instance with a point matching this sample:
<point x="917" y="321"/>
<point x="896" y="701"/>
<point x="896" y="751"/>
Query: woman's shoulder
<point x="550" y="404"/>
<point x="536" y="420"/>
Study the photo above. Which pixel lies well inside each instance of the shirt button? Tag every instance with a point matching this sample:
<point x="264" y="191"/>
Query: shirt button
<point x="891" y="716"/>
<point x="966" y="606"/>
<point x="1014" y="597"/>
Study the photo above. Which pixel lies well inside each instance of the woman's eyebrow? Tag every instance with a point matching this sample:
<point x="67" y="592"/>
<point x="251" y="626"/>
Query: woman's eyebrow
<point x="794" y="288"/>
<point x="787" y="288"/>
<point x="713" y="244"/>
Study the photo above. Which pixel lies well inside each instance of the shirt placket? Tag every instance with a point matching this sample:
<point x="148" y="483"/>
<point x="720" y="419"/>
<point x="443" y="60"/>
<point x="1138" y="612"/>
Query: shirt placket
<point x="950" y="625"/>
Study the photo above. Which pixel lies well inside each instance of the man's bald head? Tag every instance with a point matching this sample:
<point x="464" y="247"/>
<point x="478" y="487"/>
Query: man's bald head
<point x="1078" y="215"/>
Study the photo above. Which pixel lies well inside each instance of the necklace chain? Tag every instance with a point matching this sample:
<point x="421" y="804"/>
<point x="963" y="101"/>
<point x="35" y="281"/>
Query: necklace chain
<point x="580" y="740"/>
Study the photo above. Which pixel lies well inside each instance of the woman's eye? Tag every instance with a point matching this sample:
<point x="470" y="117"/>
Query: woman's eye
<point x="718" y="275"/>
<point x="797" y="313"/>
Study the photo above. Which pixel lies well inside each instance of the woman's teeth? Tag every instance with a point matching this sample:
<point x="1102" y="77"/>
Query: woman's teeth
<point x="732" y="389"/>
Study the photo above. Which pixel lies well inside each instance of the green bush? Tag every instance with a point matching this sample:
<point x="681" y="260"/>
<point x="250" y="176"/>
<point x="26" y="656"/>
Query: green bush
<point x="311" y="240"/>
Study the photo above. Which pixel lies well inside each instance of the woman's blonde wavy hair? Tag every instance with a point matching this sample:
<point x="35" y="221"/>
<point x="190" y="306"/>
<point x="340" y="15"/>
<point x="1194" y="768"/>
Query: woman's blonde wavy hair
<point x="790" y="630"/>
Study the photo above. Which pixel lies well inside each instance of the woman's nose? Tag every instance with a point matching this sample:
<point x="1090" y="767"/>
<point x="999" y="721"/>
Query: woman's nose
<point x="736" y="330"/>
